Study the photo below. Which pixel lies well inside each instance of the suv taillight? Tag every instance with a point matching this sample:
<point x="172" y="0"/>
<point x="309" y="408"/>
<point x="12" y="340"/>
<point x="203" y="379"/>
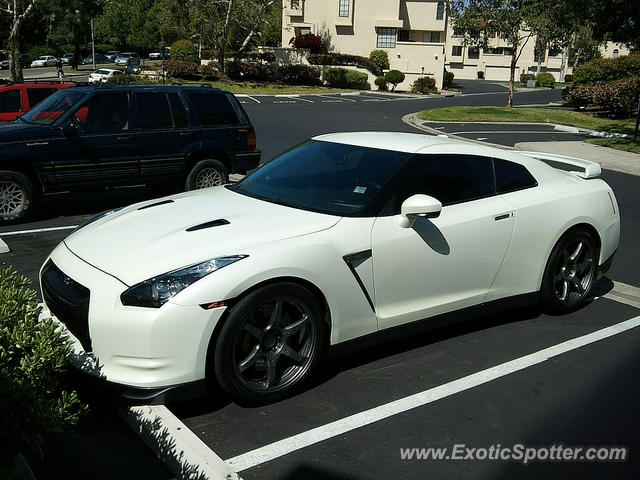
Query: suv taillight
<point x="251" y="139"/>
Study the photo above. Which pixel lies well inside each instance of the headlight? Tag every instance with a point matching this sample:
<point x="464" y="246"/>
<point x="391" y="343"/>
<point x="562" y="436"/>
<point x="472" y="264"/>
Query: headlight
<point x="95" y="218"/>
<point x="156" y="291"/>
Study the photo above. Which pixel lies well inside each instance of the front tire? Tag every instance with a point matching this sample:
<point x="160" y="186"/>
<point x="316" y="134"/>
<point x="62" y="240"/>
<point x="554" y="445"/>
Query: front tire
<point x="270" y="344"/>
<point x="570" y="272"/>
<point x="206" y="173"/>
<point x="16" y="196"/>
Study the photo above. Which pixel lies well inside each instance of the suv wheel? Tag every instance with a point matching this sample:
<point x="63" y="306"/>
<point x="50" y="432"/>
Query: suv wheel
<point x="16" y="196"/>
<point x="206" y="173"/>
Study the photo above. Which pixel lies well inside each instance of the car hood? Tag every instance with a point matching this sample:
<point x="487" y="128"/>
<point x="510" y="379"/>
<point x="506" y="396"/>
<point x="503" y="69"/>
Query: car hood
<point x="18" y="130"/>
<point x="151" y="238"/>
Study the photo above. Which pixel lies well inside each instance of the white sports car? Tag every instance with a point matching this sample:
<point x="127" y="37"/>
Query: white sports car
<point x="44" y="61"/>
<point x="342" y="236"/>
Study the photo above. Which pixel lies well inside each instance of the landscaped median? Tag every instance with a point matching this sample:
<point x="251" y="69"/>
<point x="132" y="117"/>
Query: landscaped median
<point x="539" y="115"/>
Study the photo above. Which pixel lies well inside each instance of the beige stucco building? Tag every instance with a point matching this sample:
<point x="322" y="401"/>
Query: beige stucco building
<point x="416" y="35"/>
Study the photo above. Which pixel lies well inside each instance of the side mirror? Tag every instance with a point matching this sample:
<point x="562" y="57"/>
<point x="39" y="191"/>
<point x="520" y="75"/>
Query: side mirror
<point x="69" y="129"/>
<point x="418" y="206"/>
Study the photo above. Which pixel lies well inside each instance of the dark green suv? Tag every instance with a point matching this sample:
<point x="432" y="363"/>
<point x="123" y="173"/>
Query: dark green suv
<point x="105" y="136"/>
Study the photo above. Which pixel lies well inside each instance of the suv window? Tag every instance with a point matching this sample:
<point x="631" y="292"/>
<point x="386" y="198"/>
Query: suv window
<point x="178" y="111"/>
<point x="36" y="95"/>
<point x="213" y="109"/>
<point x="104" y="113"/>
<point x="512" y="176"/>
<point x="10" y="101"/>
<point x="153" y="110"/>
<point x="449" y="178"/>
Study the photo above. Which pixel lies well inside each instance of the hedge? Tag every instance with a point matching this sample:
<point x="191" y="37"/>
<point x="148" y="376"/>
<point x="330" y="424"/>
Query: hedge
<point x="310" y="41"/>
<point x="380" y="58"/>
<point x="448" y="79"/>
<point x="394" y="77"/>
<point x="381" y="83"/>
<point x="603" y="70"/>
<point x="345" y="78"/>
<point x="300" y="75"/>
<point x="618" y="97"/>
<point x="344" y="59"/>
<point x="181" y="69"/>
<point x="251" y="71"/>
<point x="210" y="71"/>
<point x="184" y="50"/>
<point x="424" y="85"/>
<point x="545" y="80"/>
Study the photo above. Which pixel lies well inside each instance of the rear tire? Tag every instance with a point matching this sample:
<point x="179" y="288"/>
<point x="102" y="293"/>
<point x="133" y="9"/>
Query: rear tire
<point x="270" y="344"/>
<point x="570" y="272"/>
<point x="16" y="196"/>
<point x="206" y="173"/>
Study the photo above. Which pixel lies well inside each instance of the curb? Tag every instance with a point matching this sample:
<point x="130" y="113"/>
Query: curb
<point x="176" y="445"/>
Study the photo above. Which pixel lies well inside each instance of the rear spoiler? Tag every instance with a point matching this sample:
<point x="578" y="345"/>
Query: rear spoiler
<point x="590" y="169"/>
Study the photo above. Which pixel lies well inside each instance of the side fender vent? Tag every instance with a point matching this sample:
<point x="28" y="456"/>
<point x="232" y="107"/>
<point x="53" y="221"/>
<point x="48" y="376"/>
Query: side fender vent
<point x="163" y="202"/>
<point x="213" y="223"/>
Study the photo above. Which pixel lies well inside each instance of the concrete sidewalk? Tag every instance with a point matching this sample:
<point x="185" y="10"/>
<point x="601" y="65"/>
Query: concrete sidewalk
<point x="608" y="158"/>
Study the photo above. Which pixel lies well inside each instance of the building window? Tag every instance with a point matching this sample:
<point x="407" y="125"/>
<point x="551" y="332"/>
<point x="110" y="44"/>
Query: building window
<point x="615" y="54"/>
<point x="433" y="37"/>
<point x="473" y="53"/>
<point x="456" y="51"/>
<point x="386" y="38"/>
<point x="403" y="36"/>
<point x="440" y="11"/>
<point x="343" y="8"/>
<point x="295" y="4"/>
<point x="302" y="31"/>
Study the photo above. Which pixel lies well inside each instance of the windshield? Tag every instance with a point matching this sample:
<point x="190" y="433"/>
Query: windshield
<point x="53" y="107"/>
<point x="325" y="177"/>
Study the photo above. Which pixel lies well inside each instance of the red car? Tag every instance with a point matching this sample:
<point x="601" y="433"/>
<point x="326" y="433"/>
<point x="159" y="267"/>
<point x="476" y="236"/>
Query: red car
<point x="18" y="98"/>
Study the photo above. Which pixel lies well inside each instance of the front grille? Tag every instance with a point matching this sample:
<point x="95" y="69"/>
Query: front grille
<point x="68" y="301"/>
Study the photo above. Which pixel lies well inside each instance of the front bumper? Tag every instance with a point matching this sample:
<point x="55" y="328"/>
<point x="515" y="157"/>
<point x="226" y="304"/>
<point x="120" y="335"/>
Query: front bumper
<point x="138" y="347"/>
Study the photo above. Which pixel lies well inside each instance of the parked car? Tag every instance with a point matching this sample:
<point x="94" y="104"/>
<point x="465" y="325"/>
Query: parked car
<point x="67" y="58"/>
<point x="126" y="57"/>
<point x="44" y="61"/>
<point x="133" y="68"/>
<point x="25" y="60"/>
<point x="100" y="58"/>
<point x="92" y="137"/>
<point x="104" y="74"/>
<point x="340" y="237"/>
<point x="18" y="98"/>
<point x="155" y="56"/>
<point x="111" y="55"/>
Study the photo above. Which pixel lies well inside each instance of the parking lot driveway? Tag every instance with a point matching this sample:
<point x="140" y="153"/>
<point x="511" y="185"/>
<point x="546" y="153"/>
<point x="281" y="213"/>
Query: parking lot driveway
<point x="478" y="86"/>
<point x="562" y="400"/>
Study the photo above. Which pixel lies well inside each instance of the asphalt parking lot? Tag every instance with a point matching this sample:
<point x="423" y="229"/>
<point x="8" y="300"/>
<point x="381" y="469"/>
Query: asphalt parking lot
<point x="584" y="396"/>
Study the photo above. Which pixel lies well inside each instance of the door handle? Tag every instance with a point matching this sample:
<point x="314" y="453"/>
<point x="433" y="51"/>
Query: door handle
<point x="503" y="216"/>
<point x="125" y="139"/>
<point x="187" y="134"/>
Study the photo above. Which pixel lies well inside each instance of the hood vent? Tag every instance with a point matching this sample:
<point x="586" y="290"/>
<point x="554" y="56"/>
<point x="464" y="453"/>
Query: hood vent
<point x="163" y="202"/>
<point x="213" y="223"/>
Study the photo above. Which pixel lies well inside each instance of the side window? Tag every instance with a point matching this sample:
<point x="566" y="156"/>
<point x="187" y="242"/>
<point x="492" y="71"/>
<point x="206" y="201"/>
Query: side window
<point x="10" y="101"/>
<point x="104" y="113"/>
<point x="449" y="178"/>
<point x="153" y="110"/>
<point x="213" y="109"/>
<point x="512" y="176"/>
<point x="177" y="109"/>
<point x="36" y="95"/>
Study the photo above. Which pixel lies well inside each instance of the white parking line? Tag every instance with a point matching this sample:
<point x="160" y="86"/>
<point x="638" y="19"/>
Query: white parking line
<point x="344" y="425"/>
<point x="37" y="230"/>
<point x="339" y="99"/>
<point x="297" y="97"/>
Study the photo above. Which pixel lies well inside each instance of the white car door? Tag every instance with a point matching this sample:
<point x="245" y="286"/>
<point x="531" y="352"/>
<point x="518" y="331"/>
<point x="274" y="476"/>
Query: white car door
<point x="445" y="263"/>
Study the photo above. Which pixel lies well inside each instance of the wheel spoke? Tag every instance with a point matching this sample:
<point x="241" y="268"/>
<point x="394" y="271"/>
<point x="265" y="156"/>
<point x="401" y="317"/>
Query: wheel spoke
<point x="251" y="359"/>
<point x="272" y="360"/>
<point x="289" y="352"/>
<point x="578" y="284"/>
<point x="577" y="252"/>
<point x="296" y="326"/>
<point x="276" y="314"/>
<point x="252" y="330"/>
<point x="582" y="266"/>
<point x="565" y="290"/>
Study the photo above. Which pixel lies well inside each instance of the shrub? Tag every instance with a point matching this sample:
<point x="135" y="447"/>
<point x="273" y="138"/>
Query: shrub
<point x="603" y="70"/>
<point x="210" y="71"/>
<point x="579" y="96"/>
<point x="480" y="75"/>
<point x="380" y="58"/>
<point x="310" y="41"/>
<point x="181" y="69"/>
<point x="525" y="77"/>
<point x="184" y="50"/>
<point x="300" y="75"/>
<point x="344" y="78"/>
<point x="424" y="85"/>
<point x="251" y="71"/>
<point x="38" y="51"/>
<point x="394" y="77"/>
<point x="619" y="97"/>
<point x="260" y="57"/>
<point x="448" y="79"/>
<point x="32" y="356"/>
<point x="568" y="78"/>
<point x="132" y="80"/>
<point x="545" y="80"/>
<point x="381" y="83"/>
<point x="344" y="59"/>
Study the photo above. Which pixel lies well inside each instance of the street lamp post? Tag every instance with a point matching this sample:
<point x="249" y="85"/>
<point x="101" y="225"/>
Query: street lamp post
<point x="93" y="46"/>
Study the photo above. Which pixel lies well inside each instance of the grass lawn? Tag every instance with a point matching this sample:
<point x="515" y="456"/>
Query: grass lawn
<point x="626" y="144"/>
<point x="526" y="114"/>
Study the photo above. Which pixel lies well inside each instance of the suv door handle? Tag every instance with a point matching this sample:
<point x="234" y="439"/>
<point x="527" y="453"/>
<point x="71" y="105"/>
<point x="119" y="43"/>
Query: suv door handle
<point x="503" y="216"/>
<point x="125" y="139"/>
<point x="187" y="134"/>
